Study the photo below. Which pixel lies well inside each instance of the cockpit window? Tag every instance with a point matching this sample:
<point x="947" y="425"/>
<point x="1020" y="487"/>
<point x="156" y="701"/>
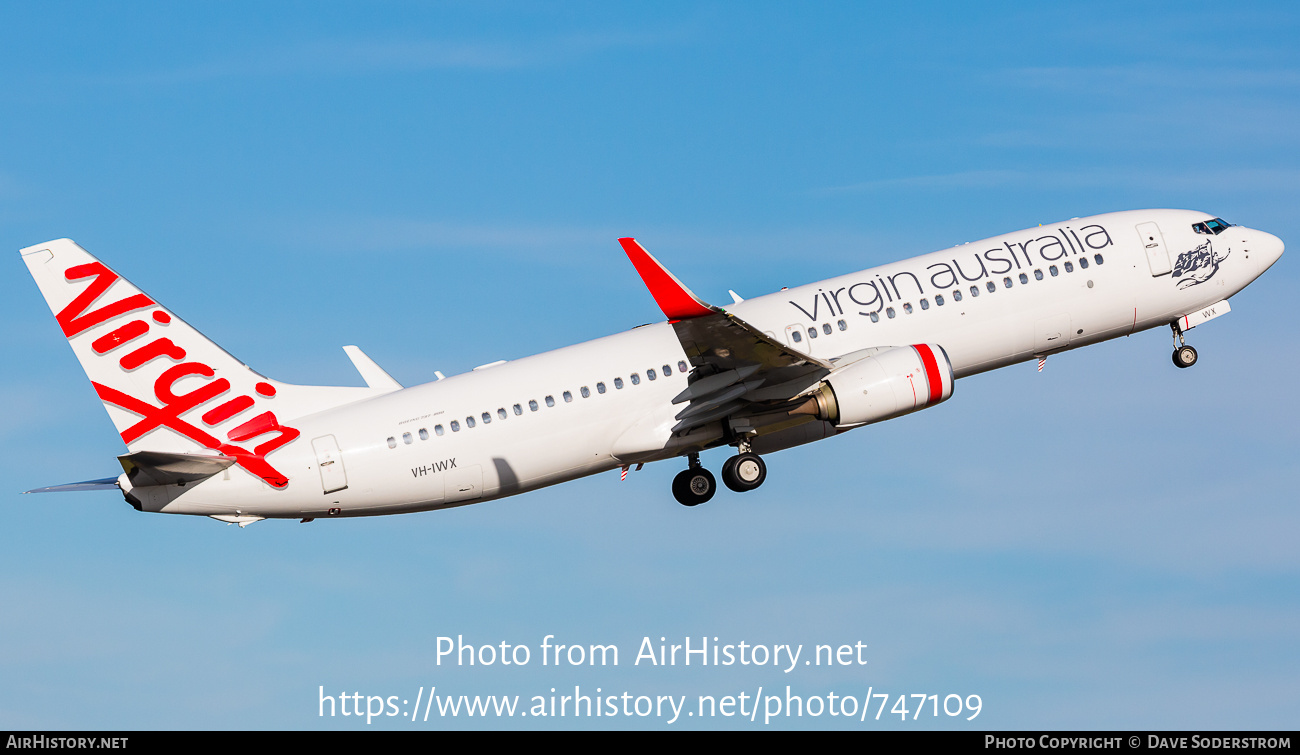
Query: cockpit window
<point x="1211" y="227"/>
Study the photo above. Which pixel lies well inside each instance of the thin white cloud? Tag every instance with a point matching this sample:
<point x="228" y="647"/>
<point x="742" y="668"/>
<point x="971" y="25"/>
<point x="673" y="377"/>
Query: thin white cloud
<point x="398" y="234"/>
<point x="401" y="235"/>
<point x="348" y="56"/>
<point x="1211" y="83"/>
<point x="1198" y="178"/>
<point x="9" y="187"/>
<point x="973" y="179"/>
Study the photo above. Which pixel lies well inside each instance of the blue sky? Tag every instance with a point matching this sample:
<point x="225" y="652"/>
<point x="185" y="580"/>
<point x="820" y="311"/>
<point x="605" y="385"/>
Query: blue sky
<point x="1108" y="544"/>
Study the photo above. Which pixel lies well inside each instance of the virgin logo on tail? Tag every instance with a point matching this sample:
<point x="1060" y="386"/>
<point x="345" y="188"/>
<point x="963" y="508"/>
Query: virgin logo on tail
<point x="75" y="319"/>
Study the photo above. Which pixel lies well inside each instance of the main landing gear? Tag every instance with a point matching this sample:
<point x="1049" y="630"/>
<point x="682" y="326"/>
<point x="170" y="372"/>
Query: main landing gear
<point x="695" y="485"/>
<point x="743" y="472"/>
<point x="1184" y="355"/>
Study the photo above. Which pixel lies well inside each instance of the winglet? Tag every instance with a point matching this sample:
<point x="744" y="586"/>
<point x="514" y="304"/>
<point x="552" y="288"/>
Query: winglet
<point x="372" y="373"/>
<point x="676" y="300"/>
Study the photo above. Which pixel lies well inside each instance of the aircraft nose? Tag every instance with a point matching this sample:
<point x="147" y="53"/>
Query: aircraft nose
<point x="1269" y="248"/>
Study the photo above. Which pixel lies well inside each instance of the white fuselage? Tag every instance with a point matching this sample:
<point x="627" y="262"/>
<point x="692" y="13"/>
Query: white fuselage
<point x="392" y="458"/>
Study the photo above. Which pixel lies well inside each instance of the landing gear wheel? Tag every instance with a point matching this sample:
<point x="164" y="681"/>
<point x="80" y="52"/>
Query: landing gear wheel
<point x="744" y="472"/>
<point x="694" y="486"/>
<point x="1184" y="356"/>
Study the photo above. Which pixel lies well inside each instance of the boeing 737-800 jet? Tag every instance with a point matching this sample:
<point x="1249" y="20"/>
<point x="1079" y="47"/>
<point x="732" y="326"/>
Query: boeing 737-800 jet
<point x="207" y="435"/>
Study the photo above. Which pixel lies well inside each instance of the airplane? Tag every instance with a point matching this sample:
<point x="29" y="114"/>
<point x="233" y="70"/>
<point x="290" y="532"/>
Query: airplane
<point x="207" y="435"/>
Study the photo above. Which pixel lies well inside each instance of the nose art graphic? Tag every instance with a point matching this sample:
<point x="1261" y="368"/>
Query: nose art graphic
<point x="1198" y="265"/>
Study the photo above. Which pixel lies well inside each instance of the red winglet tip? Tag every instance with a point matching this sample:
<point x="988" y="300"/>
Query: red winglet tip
<point x="676" y="301"/>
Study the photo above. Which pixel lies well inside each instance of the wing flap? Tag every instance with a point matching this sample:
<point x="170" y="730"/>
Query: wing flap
<point x="713" y="383"/>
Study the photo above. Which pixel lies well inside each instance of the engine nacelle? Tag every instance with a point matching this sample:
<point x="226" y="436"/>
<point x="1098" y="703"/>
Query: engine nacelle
<point x="888" y="384"/>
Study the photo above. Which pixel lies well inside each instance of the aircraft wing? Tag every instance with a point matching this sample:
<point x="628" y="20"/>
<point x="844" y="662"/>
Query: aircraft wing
<point x="739" y="372"/>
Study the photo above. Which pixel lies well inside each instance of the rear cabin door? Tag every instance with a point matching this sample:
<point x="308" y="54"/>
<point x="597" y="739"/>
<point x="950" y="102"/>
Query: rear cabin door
<point x="463" y="484"/>
<point x="330" y="460"/>
<point x="1154" y="243"/>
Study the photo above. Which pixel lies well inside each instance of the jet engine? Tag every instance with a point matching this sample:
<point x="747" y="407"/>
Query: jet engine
<point x="888" y="383"/>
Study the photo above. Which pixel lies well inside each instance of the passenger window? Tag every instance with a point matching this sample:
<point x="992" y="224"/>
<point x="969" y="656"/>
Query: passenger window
<point x="797" y="336"/>
<point x="600" y="387"/>
<point x="407" y="439"/>
<point x="1006" y="282"/>
<point x="518" y="410"/>
<point x="568" y="397"/>
<point x="532" y="405"/>
<point x="585" y="391"/>
<point x="667" y="370"/>
<point x="550" y="401"/>
<point x="974" y="290"/>
<point x="392" y="442"/>
<point x="907" y="308"/>
<point x="992" y="287"/>
<point x="843" y="325"/>
<point x="1024" y="279"/>
<point x="437" y="430"/>
<point x="875" y="317"/>
<point x="455" y="426"/>
<point x="650" y="373"/>
<point x="424" y="434"/>
<point x="1083" y="263"/>
<point x="925" y="304"/>
<point x="826" y="328"/>
<point x="889" y="312"/>
<point x="1053" y="271"/>
<point x="1038" y="275"/>
<point x="1069" y="267"/>
<point x="938" y="299"/>
<point x="501" y="413"/>
<point x="618" y="383"/>
<point x="812" y="333"/>
<point x="681" y="366"/>
<point x="469" y="422"/>
<point x="487" y="418"/>
<point x="636" y="379"/>
<point x="956" y="294"/>
<point x="1097" y="258"/>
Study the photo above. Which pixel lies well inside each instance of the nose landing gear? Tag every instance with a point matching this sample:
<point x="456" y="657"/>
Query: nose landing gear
<point x="1184" y="355"/>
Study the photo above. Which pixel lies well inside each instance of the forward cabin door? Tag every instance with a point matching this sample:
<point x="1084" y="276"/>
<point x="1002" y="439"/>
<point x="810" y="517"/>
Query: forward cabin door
<point x="329" y="458"/>
<point x="1052" y="334"/>
<point x="1154" y="243"/>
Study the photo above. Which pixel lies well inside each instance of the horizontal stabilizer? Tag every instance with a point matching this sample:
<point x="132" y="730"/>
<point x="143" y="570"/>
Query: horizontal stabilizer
<point x="108" y="483"/>
<point x="161" y="468"/>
